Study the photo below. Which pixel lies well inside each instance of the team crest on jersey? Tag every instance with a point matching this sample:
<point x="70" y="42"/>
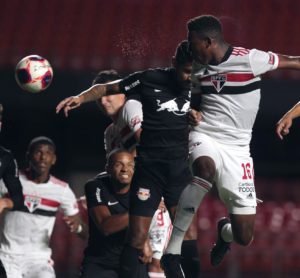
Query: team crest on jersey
<point x="143" y="194"/>
<point x="218" y="81"/>
<point x="32" y="202"/>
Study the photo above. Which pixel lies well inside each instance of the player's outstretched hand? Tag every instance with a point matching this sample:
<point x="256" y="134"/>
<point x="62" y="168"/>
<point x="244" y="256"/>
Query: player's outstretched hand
<point x="68" y="104"/>
<point x="194" y="117"/>
<point x="283" y="126"/>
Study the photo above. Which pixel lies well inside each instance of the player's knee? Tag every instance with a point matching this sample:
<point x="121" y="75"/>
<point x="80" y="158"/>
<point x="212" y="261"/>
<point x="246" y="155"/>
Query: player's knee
<point x="244" y="239"/>
<point x="204" y="167"/>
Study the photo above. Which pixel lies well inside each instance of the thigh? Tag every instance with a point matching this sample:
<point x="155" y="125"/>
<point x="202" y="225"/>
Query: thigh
<point x="90" y="269"/>
<point x="37" y="268"/>
<point x="235" y="181"/>
<point x="10" y="267"/>
<point x="145" y="191"/>
<point x="201" y="145"/>
<point x="179" y="175"/>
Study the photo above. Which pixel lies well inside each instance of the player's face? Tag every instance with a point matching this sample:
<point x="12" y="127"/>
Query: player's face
<point x="110" y="105"/>
<point x="184" y="74"/>
<point x="200" y="48"/>
<point x="122" y="168"/>
<point x="42" y="158"/>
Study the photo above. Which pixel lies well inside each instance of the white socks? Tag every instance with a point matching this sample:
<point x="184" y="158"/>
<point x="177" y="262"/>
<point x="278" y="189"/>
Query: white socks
<point x="188" y="205"/>
<point x="156" y="275"/>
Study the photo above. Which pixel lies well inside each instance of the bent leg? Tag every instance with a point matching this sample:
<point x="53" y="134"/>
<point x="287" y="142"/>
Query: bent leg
<point x="130" y="265"/>
<point x="190" y="200"/>
<point x="242" y="228"/>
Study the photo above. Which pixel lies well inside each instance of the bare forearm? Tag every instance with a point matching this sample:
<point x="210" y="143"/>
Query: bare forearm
<point x="6" y="203"/>
<point x="93" y="93"/>
<point x="113" y="224"/>
<point x="289" y="62"/>
<point x="295" y="111"/>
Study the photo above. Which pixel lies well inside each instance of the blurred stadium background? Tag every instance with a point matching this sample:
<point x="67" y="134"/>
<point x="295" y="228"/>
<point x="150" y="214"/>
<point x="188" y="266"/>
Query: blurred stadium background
<point x="82" y="37"/>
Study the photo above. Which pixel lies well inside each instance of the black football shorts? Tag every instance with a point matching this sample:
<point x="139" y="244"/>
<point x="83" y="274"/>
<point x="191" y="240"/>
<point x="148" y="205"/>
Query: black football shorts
<point x="156" y="178"/>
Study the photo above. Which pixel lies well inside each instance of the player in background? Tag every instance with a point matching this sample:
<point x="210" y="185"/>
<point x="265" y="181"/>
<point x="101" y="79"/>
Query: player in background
<point x="124" y="133"/>
<point x="230" y="82"/>
<point x="162" y="168"/>
<point x="285" y="123"/>
<point x="25" y="234"/>
<point x="9" y="176"/>
<point x="107" y="198"/>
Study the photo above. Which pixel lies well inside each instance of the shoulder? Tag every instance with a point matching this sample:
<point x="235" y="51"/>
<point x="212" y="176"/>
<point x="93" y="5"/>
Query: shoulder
<point x="58" y="182"/>
<point x="158" y="74"/>
<point x="132" y="105"/>
<point x="240" y="51"/>
<point x="100" y="181"/>
<point x="5" y="153"/>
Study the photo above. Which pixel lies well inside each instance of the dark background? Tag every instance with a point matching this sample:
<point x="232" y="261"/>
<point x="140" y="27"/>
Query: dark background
<point x="82" y="37"/>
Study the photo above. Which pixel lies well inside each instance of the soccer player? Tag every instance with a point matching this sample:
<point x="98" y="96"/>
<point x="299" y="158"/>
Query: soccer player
<point x="285" y="123"/>
<point x="230" y="82"/>
<point x="25" y="234"/>
<point x="124" y="133"/>
<point x="9" y="176"/>
<point x="107" y="197"/>
<point x="162" y="168"/>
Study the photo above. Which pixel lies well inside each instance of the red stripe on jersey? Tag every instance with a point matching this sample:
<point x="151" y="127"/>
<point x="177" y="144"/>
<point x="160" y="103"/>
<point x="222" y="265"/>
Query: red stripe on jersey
<point x="50" y="203"/>
<point x="240" y="51"/>
<point x="233" y="77"/>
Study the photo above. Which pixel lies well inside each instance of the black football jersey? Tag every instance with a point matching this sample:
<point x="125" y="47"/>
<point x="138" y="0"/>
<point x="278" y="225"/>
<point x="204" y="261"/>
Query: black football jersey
<point x="9" y="173"/>
<point x="107" y="249"/>
<point x="165" y="107"/>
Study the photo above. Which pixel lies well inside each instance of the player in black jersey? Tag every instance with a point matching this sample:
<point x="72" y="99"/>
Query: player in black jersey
<point x="107" y="197"/>
<point x="9" y="174"/>
<point x="161" y="165"/>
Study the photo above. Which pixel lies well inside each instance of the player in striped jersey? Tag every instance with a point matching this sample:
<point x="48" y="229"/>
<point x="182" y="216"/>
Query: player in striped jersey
<point x="25" y="234"/>
<point x="285" y="123"/>
<point x="230" y="82"/>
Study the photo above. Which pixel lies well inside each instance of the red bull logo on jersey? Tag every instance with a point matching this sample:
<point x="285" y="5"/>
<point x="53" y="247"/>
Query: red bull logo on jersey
<point x="32" y="202"/>
<point x="172" y="106"/>
<point x="143" y="194"/>
<point x="218" y="81"/>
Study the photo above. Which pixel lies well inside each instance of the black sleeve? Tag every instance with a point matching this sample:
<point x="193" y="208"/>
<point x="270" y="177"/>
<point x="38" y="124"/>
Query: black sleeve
<point x="12" y="182"/>
<point x="95" y="194"/>
<point x="131" y="84"/>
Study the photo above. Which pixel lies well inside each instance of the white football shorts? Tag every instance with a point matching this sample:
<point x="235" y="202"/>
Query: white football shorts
<point x="234" y="172"/>
<point x="20" y="266"/>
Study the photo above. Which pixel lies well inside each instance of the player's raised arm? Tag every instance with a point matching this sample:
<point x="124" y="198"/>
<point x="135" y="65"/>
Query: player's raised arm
<point x="284" y="124"/>
<point x="288" y="62"/>
<point x="93" y="93"/>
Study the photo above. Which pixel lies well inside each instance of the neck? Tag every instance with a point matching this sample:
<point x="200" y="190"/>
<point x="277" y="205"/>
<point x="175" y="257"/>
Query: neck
<point x="114" y="118"/>
<point x="219" y="54"/>
<point x="120" y="188"/>
<point x="38" y="178"/>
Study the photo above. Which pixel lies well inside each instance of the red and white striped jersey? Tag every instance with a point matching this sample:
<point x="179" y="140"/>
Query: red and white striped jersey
<point x="120" y="135"/>
<point x="29" y="231"/>
<point x="231" y="93"/>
